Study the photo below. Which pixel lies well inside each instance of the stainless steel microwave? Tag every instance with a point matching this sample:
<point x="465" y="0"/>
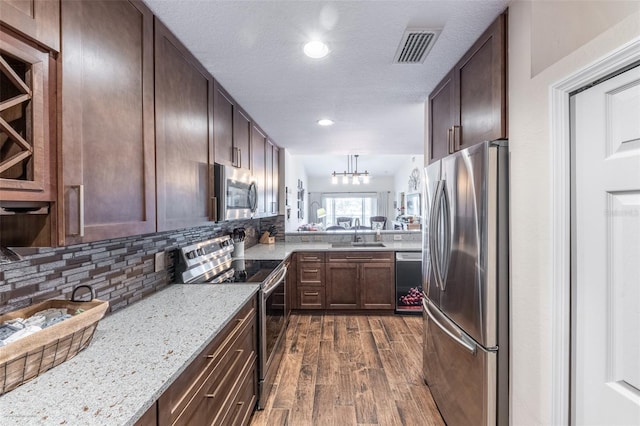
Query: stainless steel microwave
<point x="236" y="193"/>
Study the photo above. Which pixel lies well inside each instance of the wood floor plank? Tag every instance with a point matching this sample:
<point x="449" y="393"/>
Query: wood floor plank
<point x="323" y="404"/>
<point x="328" y="327"/>
<point x="351" y="370"/>
<point x="394" y="328"/>
<point x="327" y="364"/>
<point x="302" y="410"/>
<point x="370" y="350"/>
<point x="363" y="398"/>
<point x="385" y="405"/>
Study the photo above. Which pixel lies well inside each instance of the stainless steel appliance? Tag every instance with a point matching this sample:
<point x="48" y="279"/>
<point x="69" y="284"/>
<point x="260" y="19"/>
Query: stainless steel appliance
<point x="466" y="282"/>
<point x="211" y="262"/>
<point x="236" y="193"/>
<point x="409" y="282"/>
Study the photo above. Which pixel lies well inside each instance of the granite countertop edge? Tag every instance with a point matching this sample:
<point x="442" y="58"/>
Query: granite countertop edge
<point x="282" y="250"/>
<point x="116" y="379"/>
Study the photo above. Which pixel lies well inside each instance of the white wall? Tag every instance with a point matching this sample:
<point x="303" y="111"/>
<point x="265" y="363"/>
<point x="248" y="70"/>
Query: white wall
<point x="582" y="32"/>
<point x="294" y="170"/>
<point x="402" y="176"/>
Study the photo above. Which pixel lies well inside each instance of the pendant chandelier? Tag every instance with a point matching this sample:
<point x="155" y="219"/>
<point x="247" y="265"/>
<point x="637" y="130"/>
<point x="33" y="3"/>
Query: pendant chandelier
<point x="351" y="175"/>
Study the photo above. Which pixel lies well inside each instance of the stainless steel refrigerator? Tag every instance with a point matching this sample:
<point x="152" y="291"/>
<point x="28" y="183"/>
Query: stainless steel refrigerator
<point x="466" y="284"/>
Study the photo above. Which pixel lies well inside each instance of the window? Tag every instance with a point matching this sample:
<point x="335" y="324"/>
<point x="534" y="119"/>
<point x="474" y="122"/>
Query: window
<point x="352" y="205"/>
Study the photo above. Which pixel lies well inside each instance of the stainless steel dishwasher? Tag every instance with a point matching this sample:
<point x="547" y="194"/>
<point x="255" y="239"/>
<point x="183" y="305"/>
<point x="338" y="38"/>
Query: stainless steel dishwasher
<point x="409" y="282"/>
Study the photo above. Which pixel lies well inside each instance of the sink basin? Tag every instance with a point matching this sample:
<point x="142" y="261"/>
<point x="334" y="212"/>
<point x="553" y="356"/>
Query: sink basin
<point x="358" y="244"/>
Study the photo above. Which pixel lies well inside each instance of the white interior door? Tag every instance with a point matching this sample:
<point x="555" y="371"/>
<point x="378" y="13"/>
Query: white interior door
<point x="606" y="287"/>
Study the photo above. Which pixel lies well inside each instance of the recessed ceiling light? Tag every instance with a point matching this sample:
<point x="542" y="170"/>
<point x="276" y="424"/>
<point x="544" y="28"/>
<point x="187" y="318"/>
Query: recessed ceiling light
<point x="316" y="49"/>
<point x="325" y="122"/>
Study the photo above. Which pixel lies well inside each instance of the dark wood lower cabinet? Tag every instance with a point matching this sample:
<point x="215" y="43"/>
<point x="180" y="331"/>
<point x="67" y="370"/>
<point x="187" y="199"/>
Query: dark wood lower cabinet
<point x="360" y="280"/>
<point x="220" y="386"/>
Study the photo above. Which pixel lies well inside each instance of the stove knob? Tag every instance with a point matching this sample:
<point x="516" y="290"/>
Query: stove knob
<point x="200" y="252"/>
<point x="191" y="255"/>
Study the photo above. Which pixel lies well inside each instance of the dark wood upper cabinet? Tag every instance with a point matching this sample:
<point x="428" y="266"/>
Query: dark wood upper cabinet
<point x="39" y="20"/>
<point x="184" y="134"/>
<point x="441" y="118"/>
<point x="469" y="105"/>
<point x="258" y="158"/>
<point x="108" y="158"/>
<point x="27" y="120"/>
<point x="480" y="82"/>
<point x="275" y="195"/>
<point x="268" y="174"/>
<point x="232" y="130"/>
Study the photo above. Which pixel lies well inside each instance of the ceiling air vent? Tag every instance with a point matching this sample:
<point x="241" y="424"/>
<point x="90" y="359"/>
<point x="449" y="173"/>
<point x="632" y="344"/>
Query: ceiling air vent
<point x="415" y="45"/>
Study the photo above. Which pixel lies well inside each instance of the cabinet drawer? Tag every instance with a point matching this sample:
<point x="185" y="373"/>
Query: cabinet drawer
<point x="236" y="340"/>
<point x="311" y="297"/>
<point x="361" y="256"/>
<point x="314" y="257"/>
<point x="216" y="397"/>
<point x="242" y="408"/>
<point x="311" y="274"/>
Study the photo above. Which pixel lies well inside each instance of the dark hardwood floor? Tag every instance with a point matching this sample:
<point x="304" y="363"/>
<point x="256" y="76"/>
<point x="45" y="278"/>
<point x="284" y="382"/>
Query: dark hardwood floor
<point x="351" y="370"/>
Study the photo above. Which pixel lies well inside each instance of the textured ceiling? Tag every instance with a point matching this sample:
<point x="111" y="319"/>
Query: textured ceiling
<point x="254" y="49"/>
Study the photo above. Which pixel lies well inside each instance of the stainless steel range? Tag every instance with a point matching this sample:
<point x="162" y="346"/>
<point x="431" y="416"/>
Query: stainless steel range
<point x="211" y="262"/>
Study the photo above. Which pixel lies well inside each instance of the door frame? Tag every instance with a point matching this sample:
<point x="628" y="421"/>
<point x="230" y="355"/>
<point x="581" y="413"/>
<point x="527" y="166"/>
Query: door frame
<point x="563" y="217"/>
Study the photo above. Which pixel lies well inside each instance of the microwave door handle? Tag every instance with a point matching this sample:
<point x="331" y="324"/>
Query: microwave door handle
<point x="253" y="197"/>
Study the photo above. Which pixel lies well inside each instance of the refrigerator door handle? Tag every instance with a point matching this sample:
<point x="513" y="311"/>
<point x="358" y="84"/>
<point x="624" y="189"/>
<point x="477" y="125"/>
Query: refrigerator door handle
<point x="461" y="338"/>
<point x="433" y="228"/>
<point x="446" y="250"/>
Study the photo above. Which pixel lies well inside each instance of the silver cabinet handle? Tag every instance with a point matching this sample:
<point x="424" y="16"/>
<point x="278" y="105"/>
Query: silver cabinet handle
<point x="457" y="142"/>
<point x="467" y="345"/>
<point x="80" y="190"/>
<point x="450" y="139"/>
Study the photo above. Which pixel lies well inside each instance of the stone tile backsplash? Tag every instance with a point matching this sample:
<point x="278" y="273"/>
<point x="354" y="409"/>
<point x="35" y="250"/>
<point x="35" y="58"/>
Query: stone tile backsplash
<point x="120" y="270"/>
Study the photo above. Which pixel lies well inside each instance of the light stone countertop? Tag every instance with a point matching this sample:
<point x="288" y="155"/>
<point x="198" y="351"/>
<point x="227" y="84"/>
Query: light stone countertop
<point x="136" y="353"/>
<point x="280" y="251"/>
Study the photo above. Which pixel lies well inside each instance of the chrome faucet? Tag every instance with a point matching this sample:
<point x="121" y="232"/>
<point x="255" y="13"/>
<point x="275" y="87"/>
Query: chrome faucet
<point x="356" y="225"/>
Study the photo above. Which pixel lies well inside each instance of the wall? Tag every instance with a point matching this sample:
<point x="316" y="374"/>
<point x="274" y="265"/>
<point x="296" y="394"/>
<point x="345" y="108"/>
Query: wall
<point x="536" y="31"/>
<point x="294" y="170"/>
<point x="120" y="270"/>
<point x="402" y="176"/>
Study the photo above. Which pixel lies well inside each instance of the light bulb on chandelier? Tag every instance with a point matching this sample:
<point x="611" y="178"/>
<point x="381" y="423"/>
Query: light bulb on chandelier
<point x="351" y="172"/>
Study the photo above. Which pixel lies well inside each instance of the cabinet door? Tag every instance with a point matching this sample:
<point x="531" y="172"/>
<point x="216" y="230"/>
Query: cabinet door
<point x="342" y="289"/>
<point x="107" y="120"/>
<point x="223" y="108"/>
<point x="184" y="97"/>
<point x="37" y="19"/>
<point x="480" y="82"/>
<point x="276" y="181"/>
<point x="377" y="286"/>
<point x="441" y="117"/>
<point x="27" y="120"/>
<point x="242" y="139"/>
<point x="268" y="174"/>
<point x="258" y="141"/>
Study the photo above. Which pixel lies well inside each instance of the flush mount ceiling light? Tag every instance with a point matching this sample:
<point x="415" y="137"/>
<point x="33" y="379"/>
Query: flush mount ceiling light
<point x="351" y="172"/>
<point x="325" y="122"/>
<point x="316" y="49"/>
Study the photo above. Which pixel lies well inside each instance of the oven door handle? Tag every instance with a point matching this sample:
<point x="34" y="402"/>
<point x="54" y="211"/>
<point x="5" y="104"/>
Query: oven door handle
<point x="274" y="283"/>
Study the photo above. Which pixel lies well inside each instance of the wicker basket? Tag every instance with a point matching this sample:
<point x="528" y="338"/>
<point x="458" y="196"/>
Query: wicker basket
<point x="32" y="355"/>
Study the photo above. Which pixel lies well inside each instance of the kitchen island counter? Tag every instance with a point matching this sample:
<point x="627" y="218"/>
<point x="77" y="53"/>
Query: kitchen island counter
<point x="136" y="353"/>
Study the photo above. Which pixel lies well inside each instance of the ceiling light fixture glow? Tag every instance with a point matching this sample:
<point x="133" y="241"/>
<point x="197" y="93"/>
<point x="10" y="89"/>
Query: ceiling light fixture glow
<point x="325" y="122"/>
<point x="316" y="49"/>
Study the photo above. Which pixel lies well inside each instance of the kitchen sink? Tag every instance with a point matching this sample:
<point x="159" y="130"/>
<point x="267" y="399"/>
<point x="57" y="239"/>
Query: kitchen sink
<point x="358" y="244"/>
